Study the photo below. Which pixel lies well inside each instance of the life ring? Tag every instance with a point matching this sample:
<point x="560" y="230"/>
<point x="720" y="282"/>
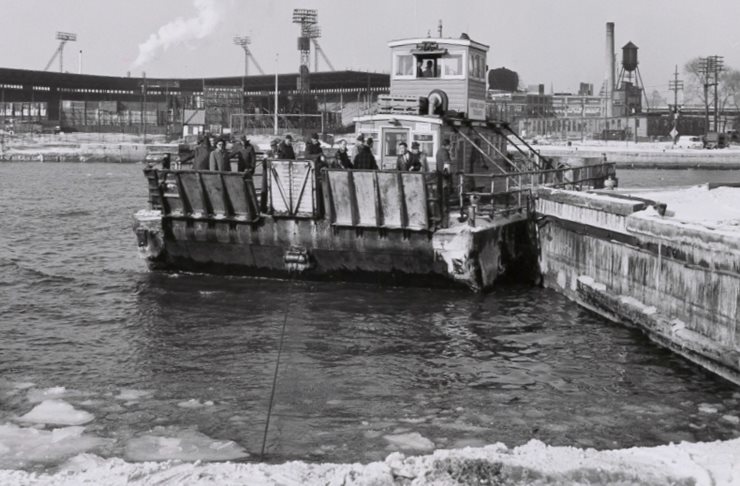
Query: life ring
<point x="438" y="102"/>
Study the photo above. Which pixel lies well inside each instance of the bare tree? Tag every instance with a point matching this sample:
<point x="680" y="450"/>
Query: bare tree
<point x="700" y="79"/>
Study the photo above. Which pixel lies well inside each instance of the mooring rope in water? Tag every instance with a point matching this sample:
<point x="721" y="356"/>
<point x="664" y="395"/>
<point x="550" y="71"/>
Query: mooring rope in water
<point x="274" y="383"/>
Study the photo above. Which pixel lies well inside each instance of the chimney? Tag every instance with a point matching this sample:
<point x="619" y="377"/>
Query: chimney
<point x="79" y="63"/>
<point x="609" y="68"/>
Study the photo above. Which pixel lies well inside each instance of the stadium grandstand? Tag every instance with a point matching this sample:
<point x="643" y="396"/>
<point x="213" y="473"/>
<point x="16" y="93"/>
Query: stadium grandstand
<point x="43" y="102"/>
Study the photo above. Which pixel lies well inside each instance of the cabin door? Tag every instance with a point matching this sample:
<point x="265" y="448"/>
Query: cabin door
<point x="389" y="151"/>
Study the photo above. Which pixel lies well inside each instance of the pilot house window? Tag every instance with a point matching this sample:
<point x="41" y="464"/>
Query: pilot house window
<point x="452" y="66"/>
<point x="404" y="65"/>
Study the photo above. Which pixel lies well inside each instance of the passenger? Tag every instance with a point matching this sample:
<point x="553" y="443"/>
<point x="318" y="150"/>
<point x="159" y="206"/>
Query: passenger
<point x="315" y="152"/>
<point x="166" y="161"/>
<point x="359" y="142"/>
<point x="285" y="149"/>
<point x="219" y="159"/>
<point x="402" y="162"/>
<point x="365" y="158"/>
<point x="274" y="144"/>
<point x="246" y="156"/>
<point x="201" y="154"/>
<point x="417" y="160"/>
<point x="428" y="71"/>
<point x="343" y="159"/>
<point x="443" y="157"/>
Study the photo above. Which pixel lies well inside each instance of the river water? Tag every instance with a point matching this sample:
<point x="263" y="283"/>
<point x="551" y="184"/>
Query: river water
<point x="364" y="370"/>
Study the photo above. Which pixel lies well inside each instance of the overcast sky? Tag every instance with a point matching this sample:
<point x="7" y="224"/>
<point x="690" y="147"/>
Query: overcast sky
<point x="555" y="42"/>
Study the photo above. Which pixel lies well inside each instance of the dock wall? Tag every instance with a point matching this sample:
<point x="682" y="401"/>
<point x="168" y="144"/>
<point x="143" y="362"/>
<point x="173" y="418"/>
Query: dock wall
<point x="680" y="283"/>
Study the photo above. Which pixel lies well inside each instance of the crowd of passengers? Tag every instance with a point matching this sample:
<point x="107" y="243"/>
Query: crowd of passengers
<point x="211" y="154"/>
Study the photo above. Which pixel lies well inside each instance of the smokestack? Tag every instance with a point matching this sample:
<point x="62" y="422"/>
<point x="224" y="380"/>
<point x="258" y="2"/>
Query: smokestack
<point x="79" y="63"/>
<point x="609" y="68"/>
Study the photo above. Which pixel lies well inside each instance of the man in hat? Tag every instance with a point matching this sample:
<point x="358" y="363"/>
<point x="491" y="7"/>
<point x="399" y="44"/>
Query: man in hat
<point x="245" y="155"/>
<point x="315" y="152"/>
<point x="443" y="157"/>
<point x="365" y="158"/>
<point x="285" y="149"/>
<point x="199" y="155"/>
<point x="219" y="159"/>
<point x="274" y="144"/>
<point x="342" y="156"/>
<point x="417" y="159"/>
<point x="359" y="142"/>
<point x="402" y="162"/>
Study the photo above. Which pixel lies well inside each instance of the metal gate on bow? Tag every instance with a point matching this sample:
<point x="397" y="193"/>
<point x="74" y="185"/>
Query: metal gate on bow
<point x="292" y="186"/>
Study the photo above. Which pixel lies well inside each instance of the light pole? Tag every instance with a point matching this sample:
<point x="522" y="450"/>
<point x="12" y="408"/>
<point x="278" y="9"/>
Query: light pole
<point x="244" y="42"/>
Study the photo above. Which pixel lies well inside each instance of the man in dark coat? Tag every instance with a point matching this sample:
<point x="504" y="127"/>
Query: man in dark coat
<point x="315" y="152"/>
<point x="219" y="159"/>
<point x="443" y="157"/>
<point x="342" y="156"/>
<point x="365" y="158"/>
<point x="166" y="162"/>
<point x="402" y="162"/>
<point x="285" y="149"/>
<point x="246" y="156"/>
<point x="200" y="155"/>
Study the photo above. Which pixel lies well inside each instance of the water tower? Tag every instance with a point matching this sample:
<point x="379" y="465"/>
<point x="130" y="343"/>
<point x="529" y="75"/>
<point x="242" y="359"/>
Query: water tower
<point x="628" y="91"/>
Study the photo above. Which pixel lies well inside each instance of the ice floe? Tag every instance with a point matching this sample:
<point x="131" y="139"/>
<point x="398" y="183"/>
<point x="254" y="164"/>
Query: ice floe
<point x="167" y="443"/>
<point x="195" y="403"/>
<point x="409" y="441"/>
<point x="56" y="412"/>
<point x="24" y="446"/>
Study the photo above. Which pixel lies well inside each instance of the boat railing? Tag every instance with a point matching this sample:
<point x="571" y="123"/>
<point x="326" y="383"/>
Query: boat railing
<point x="382" y="199"/>
<point x="506" y="193"/>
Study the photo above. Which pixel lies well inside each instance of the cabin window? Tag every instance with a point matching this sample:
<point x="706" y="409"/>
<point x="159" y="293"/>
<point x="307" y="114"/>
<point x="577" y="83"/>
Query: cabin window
<point x="403" y="66"/>
<point x="477" y="66"/>
<point x="452" y="66"/>
<point x="392" y="139"/>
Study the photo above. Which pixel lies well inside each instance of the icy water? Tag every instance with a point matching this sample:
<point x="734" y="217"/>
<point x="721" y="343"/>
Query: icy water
<point x="162" y="366"/>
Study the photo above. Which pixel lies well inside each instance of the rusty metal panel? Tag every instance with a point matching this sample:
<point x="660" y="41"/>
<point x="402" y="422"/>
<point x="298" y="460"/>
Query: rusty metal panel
<point x="216" y="193"/>
<point x="242" y="197"/>
<point x="366" y="193"/>
<point x="415" y="192"/>
<point x="391" y="199"/>
<point x="343" y="198"/>
<point x="190" y="184"/>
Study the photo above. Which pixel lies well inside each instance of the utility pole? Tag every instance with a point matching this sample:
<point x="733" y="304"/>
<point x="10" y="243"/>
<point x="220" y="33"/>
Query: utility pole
<point x="717" y="64"/>
<point x="675" y="85"/>
<point x="710" y="67"/>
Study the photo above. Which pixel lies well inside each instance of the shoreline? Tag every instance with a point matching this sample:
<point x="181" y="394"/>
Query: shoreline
<point x="649" y="155"/>
<point x="701" y="463"/>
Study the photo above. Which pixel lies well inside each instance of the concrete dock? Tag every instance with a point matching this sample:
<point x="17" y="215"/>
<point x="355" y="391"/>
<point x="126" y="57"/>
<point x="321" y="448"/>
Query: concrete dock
<point x="673" y="274"/>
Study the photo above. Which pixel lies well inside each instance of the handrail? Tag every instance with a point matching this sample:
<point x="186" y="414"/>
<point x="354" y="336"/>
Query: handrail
<point x="526" y="182"/>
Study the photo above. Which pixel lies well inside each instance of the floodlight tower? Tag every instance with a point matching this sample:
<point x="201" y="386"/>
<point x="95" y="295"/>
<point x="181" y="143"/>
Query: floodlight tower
<point x="63" y="38"/>
<point x="244" y="42"/>
<point x="313" y="32"/>
<point x="306" y="18"/>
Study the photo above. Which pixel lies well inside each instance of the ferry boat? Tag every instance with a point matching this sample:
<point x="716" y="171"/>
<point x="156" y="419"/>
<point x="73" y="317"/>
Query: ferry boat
<point x="465" y="226"/>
